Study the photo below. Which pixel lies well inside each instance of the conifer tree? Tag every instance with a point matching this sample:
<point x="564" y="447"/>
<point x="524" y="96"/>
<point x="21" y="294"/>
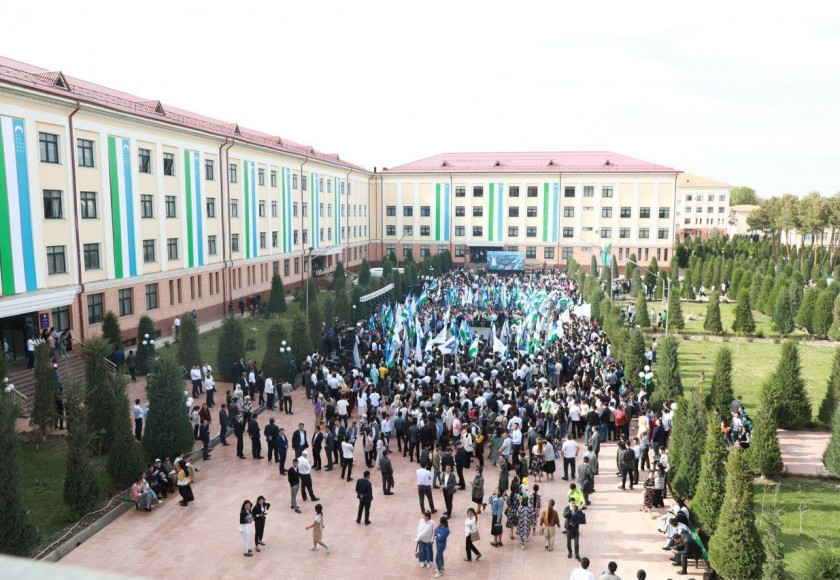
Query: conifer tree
<point x="274" y="363"/>
<point x="774" y="563"/>
<point x="81" y="485"/>
<point x="823" y="313"/>
<point x="785" y="390"/>
<point x="364" y="273"/>
<point x="675" y="315"/>
<point x="111" y="331"/>
<point x="705" y="505"/>
<point x="735" y="550"/>
<point x="712" y="322"/>
<point x="744" y="323"/>
<point x="17" y="534"/>
<point x="339" y="276"/>
<point x="783" y="314"/>
<point x="834" y="330"/>
<point x="832" y="393"/>
<point x="721" y="393"/>
<point x="168" y="429"/>
<point x="43" y="414"/>
<point x="642" y="315"/>
<point x="635" y="282"/>
<point x="634" y="356"/>
<point x="99" y="395"/>
<point x="277" y="298"/>
<point x="831" y="456"/>
<point x="124" y="460"/>
<point x="231" y="348"/>
<point x="188" y="353"/>
<point x="687" y="443"/>
<point x="316" y="319"/>
<point x="342" y="307"/>
<point x="145" y="353"/>
<point x="593" y="265"/>
<point x="764" y="454"/>
<point x="668" y="381"/>
<point x="805" y="315"/>
<point x="301" y="341"/>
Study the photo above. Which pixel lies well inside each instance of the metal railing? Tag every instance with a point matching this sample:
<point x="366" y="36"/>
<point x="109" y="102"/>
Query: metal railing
<point x="21" y="400"/>
<point x="112" y="367"/>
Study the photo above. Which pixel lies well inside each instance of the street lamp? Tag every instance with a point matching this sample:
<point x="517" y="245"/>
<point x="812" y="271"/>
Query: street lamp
<point x="9" y="386"/>
<point x="148" y="343"/>
<point x="667" y="281"/>
<point x="646" y="377"/>
<point x="306" y="285"/>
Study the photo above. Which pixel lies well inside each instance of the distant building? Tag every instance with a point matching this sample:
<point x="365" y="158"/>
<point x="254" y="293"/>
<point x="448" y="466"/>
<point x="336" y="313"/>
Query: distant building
<point x="737" y="220"/>
<point x="702" y="206"/>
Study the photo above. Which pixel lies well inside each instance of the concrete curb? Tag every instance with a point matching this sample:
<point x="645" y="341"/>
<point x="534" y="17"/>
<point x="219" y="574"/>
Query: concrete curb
<point x="83" y="536"/>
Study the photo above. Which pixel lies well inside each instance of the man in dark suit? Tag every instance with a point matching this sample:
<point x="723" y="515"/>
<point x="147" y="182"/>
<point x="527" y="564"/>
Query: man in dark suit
<point x="462" y="462"/>
<point x="329" y="442"/>
<point x="448" y="485"/>
<point x="339" y="433"/>
<point x="271" y="433"/>
<point x="300" y="440"/>
<point x="317" y="444"/>
<point x="239" y="431"/>
<point x="574" y="519"/>
<point x="224" y="422"/>
<point x="282" y="447"/>
<point x="387" y="471"/>
<point x="254" y="434"/>
<point x="364" y="491"/>
<point x="294" y="483"/>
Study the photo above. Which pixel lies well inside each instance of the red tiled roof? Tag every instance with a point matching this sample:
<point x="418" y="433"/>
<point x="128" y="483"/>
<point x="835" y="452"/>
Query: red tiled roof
<point x="531" y="162"/>
<point x="32" y="77"/>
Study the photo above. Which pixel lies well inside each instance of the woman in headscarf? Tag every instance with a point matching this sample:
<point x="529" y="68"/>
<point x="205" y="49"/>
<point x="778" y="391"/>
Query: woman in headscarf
<point x="524" y="518"/>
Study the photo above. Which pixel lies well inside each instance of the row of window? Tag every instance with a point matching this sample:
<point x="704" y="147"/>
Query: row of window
<point x="50" y="153"/>
<point x="530" y="232"/>
<point x="709" y="197"/>
<point x="709" y="221"/>
<point x="533" y="191"/>
<point x="531" y="211"/>
<point x="710" y="209"/>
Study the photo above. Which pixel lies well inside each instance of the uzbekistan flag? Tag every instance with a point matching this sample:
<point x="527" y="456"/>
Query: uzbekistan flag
<point x="551" y="211"/>
<point x="122" y="207"/>
<point x="195" y="215"/>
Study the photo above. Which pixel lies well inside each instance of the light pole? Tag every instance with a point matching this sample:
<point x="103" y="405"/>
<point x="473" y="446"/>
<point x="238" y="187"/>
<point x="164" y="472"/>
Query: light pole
<point x="286" y="354"/>
<point x="355" y="320"/>
<point x="306" y="286"/>
<point x="645" y="377"/>
<point x="667" y="281"/>
<point x="148" y="343"/>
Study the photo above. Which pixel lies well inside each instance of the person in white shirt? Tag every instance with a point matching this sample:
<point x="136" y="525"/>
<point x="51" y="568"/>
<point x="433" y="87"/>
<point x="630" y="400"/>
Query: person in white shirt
<point x="583" y="572"/>
<point x="347" y="459"/>
<point x="569" y="451"/>
<point x="210" y="387"/>
<point x="177" y="325"/>
<point x="195" y="377"/>
<point x="342" y="405"/>
<point x="425" y="535"/>
<point x="424" y="488"/>
<point x="361" y="404"/>
<point x="269" y="392"/>
<point x="305" y="471"/>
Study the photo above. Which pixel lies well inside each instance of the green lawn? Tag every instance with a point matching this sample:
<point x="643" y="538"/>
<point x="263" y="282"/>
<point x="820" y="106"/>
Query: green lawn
<point x="818" y="522"/>
<point x="753" y="362"/>
<point x="42" y="480"/>
<point x="695" y="312"/>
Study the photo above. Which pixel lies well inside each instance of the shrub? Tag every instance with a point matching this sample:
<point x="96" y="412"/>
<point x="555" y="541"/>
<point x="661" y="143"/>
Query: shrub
<point x="231" y="348"/>
<point x="124" y="459"/>
<point x="831" y="457"/>
<point x="823" y="563"/>
<point x="274" y="365"/>
<point x="188" y="354"/>
<point x="675" y="315"/>
<point x="99" y="395"/>
<point x="832" y="393"/>
<point x="721" y="393"/>
<point x="81" y="485"/>
<point x="668" y="382"/>
<point x="687" y="444"/>
<point x="301" y="341"/>
<point x="277" y="298"/>
<point x="111" y="330"/>
<point x="705" y="505"/>
<point x="364" y="273"/>
<point x="145" y="354"/>
<point x="744" y="323"/>
<point x="17" y="534"/>
<point x="785" y="391"/>
<point x="764" y="454"/>
<point x="823" y="314"/>
<point x="774" y="564"/>
<point x="168" y="428"/>
<point x="642" y="315"/>
<point x="43" y="414"/>
<point x="712" y="322"/>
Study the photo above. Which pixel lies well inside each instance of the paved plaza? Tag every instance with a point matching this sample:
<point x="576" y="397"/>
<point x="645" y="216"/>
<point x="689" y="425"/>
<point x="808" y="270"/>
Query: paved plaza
<point x="204" y="537"/>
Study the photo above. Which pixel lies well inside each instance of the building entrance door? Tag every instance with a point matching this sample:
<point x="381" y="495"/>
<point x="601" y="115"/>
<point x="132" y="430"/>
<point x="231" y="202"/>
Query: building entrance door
<point x="14" y="331"/>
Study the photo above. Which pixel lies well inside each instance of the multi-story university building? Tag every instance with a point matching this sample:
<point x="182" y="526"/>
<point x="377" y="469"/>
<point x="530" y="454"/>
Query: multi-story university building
<point x="109" y="201"/>
<point x="702" y="206"/>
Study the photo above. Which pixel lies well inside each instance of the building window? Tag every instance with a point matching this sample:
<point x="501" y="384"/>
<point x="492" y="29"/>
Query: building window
<point x="147" y="206"/>
<point x="710" y="210"/>
<point x="588" y="191"/>
<point x="211" y="207"/>
<point x="687" y="221"/>
<point x="460" y="211"/>
<point x="209" y="170"/>
<point x="408" y="211"/>
<point x="151" y="296"/>
<point x="320" y="184"/>
<point x="234" y="242"/>
<point x="169" y="164"/>
<point x="425" y="211"/>
<point x="513" y="211"/>
<point x="568" y="232"/>
<point x="531" y="232"/>
<point x="699" y="210"/>
<point x="171" y="206"/>
<point x="478" y="211"/>
<point x="606" y="232"/>
<point x="644" y="212"/>
<point x="56" y="260"/>
<point x="531" y="252"/>
<point x="274" y="240"/>
<point x="624" y="233"/>
<point x="305" y="237"/>
<point x="172" y="248"/>
<point x="460" y="231"/>
<point x="425" y="230"/>
<point x="390" y="230"/>
<point x="84" y="152"/>
<point x="460" y="251"/>
<point x="273" y="179"/>
<point x="304" y="209"/>
<point x="61" y="318"/>
<point x="513" y="232"/>
<point x="477" y="231"/>
<point x="286" y="267"/>
<point x="297" y="266"/>
<point x="144" y="157"/>
<point x="566" y="253"/>
<point x="260" y="176"/>
<point x="406" y="251"/>
<point x="94" y="304"/>
<point x="532" y="191"/>
<point x="548" y="253"/>
<point x="233" y="172"/>
<point x="303" y="187"/>
<point x="606" y="212"/>
<point x="721" y="209"/>
<point x="91" y="254"/>
<point x="606" y="192"/>
<point x="148" y="251"/>
<point x="273" y="209"/>
<point x="234" y="208"/>
<point x="408" y="230"/>
<point x="569" y="212"/>
<point x="626" y="212"/>
<point x="663" y="234"/>
<point x="390" y="249"/>
<point x="53" y="205"/>
<point x="513" y="191"/>
<point x="294" y="209"/>
<point x="664" y="212"/>
<point x="478" y="191"/>
<point x="262" y="240"/>
<point x="295" y="186"/>
<point x="460" y="191"/>
<point x="295" y="237"/>
<point x="532" y="211"/>
<point x="569" y="191"/>
<point x="211" y="245"/>
<point x="126" y="308"/>
<point x="87" y="200"/>
<point x="49" y="147"/>
<point x="644" y="233"/>
<point x="261" y="208"/>
<point x="424" y="251"/>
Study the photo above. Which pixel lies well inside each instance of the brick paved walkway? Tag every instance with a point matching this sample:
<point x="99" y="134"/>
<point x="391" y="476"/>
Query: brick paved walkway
<point x="204" y="537"/>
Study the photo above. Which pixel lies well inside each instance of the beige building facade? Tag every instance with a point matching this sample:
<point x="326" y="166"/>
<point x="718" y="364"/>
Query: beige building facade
<point x="702" y="206"/>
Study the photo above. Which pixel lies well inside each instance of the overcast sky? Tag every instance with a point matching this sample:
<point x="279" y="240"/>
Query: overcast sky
<point x="742" y="92"/>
